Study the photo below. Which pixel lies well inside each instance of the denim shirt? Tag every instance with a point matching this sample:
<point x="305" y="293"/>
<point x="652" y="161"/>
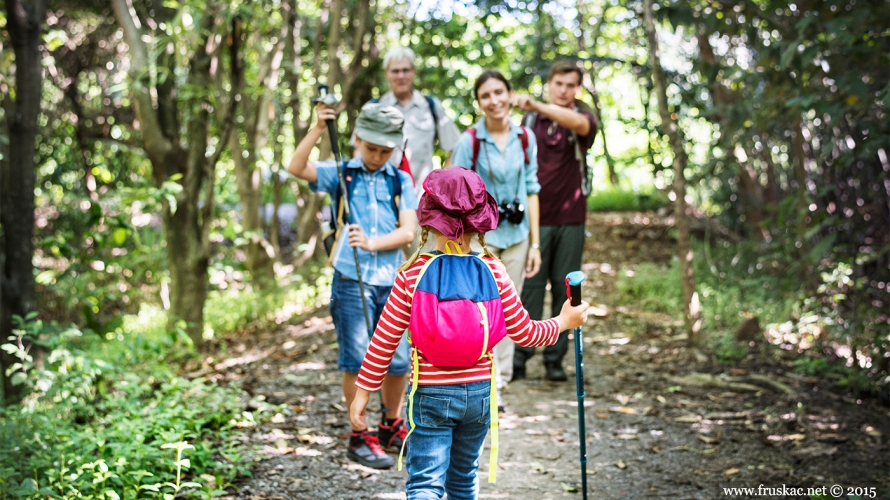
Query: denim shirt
<point x="371" y="208"/>
<point x="512" y="177"/>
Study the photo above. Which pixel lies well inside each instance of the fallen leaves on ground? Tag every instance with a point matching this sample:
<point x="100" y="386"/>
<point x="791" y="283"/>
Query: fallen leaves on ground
<point x="710" y="440"/>
<point x="816" y="450"/>
<point x="624" y="409"/>
<point x="688" y="419"/>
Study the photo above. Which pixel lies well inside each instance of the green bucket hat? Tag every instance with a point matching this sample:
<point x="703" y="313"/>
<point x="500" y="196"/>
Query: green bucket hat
<point x="381" y="125"/>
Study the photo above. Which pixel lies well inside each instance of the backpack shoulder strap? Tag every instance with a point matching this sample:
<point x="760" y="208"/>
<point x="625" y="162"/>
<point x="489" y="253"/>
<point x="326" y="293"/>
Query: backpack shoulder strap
<point x="426" y="266"/>
<point x="523" y="138"/>
<point x="337" y="211"/>
<point x="432" y="105"/>
<point x="490" y="269"/>
<point x="394" y="184"/>
<point x="529" y="118"/>
<point x="337" y="199"/>
<point x="472" y="131"/>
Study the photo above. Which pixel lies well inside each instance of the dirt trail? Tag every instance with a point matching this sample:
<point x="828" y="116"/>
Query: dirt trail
<point x="648" y="436"/>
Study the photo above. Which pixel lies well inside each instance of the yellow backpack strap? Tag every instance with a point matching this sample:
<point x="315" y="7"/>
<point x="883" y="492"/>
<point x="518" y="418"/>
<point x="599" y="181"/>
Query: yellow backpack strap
<point x="415" y="376"/>
<point x="486" y="333"/>
<point x="493" y="410"/>
<point x="453" y="248"/>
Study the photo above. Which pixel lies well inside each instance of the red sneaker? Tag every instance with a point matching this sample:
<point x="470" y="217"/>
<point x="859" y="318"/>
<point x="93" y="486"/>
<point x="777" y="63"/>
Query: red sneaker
<point x="392" y="436"/>
<point x="364" y="448"/>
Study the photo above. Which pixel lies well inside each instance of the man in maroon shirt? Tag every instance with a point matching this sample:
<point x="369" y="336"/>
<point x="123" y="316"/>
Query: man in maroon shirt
<point x="565" y="129"/>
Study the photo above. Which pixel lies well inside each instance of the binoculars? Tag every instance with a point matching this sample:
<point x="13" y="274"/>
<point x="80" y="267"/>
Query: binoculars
<point x="512" y="212"/>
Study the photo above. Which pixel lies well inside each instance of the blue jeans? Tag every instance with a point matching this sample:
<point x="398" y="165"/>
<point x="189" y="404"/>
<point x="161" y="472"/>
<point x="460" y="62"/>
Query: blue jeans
<point x="349" y="321"/>
<point x="451" y="422"/>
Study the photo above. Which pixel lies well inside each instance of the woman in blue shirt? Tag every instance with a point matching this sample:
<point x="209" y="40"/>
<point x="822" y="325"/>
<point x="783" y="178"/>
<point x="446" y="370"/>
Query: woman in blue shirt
<point x="505" y="156"/>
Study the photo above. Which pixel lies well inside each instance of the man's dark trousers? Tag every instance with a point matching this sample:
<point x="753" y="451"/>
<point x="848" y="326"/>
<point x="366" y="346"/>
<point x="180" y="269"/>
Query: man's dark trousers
<point x="561" y="251"/>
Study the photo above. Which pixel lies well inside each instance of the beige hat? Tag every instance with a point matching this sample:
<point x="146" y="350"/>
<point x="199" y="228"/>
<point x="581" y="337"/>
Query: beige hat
<point x="381" y="125"/>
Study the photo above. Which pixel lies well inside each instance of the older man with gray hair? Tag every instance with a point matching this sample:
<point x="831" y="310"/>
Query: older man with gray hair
<point x="425" y="117"/>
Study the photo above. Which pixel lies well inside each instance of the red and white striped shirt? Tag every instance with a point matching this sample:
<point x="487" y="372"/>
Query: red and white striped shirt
<point x="396" y="316"/>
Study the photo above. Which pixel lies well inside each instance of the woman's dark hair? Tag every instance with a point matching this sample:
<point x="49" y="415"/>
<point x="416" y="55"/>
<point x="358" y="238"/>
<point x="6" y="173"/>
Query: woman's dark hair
<point x="488" y="75"/>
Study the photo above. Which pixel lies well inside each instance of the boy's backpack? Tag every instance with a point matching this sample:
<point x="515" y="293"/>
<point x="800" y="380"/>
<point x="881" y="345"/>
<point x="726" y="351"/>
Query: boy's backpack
<point x="331" y="224"/>
<point x="586" y="170"/>
<point x="457" y="318"/>
<point x="523" y="139"/>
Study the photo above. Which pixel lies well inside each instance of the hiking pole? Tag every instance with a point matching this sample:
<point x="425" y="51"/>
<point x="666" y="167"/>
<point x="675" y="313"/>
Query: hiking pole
<point x="331" y="100"/>
<point x="573" y="290"/>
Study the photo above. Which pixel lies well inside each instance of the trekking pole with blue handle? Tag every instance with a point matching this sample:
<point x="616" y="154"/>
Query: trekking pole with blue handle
<point x="573" y="290"/>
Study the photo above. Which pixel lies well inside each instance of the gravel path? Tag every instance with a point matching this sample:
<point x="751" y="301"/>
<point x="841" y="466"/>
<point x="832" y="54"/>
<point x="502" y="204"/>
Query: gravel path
<point x="647" y="435"/>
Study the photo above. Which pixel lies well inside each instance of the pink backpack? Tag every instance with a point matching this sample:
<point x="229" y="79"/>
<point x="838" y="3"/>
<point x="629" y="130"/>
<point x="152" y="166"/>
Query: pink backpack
<point x="457" y="315"/>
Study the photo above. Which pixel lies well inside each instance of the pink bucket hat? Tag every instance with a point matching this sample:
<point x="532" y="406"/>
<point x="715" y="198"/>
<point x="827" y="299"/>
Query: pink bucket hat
<point x="455" y="201"/>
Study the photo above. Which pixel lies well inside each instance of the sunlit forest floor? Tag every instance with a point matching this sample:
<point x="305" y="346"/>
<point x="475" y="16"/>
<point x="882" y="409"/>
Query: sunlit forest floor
<point x="662" y="420"/>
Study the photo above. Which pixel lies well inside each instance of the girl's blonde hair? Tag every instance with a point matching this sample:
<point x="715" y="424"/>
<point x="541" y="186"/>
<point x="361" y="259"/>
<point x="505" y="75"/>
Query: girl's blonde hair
<point x="424" y="236"/>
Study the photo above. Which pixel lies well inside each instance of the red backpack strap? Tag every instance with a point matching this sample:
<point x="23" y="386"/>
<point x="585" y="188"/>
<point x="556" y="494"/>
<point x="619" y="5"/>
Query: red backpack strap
<point x="523" y="138"/>
<point x="405" y="166"/>
<point x="472" y="132"/>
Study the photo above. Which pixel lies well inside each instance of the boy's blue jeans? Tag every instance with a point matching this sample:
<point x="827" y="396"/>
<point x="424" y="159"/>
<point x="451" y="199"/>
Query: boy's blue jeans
<point x="443" y="451"/>
<point x="349" y="321"/>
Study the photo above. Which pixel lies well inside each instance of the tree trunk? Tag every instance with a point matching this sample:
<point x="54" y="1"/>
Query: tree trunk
<point x="675" y="136"/>
<point x="335" y="16"/>
<point x="644" y="100"/>
<point x="308" y="203"/>
<point x="80" y="133"/>
<point x="18" y="176"/>
<point x="773" y="190"/>
<point x="751" y="194"/>
<point x="597" y="108"/>
<point x="277" y="186"/>
<point x="188" y="271"/>
<point x="364" y="23"/>
<point x="595" y="29"/>
<point x="259" y="252"/>
<point x="803" y="205"/>
<point x="187" y="225"/>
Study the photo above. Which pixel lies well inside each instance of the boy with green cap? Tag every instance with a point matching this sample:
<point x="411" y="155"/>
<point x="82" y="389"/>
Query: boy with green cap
<point x="379" y="233"/>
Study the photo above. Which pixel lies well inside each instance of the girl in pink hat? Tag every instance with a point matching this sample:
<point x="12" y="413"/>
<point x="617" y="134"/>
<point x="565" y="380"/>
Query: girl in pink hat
<point x="450" y="406"/>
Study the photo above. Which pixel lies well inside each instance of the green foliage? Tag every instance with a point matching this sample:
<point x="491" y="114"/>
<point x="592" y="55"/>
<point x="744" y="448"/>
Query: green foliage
<point x="105" y="430"/>
<point x="229" y="310"/>
<point x="812" y="365"/>
<point x="740" y="281"/>
<point x="621" y="200"/>
<point x="751" y="279"/>
<point x="726" y="349"/>
<point x="731" y="282"/>
<point x="652" y="288"/>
